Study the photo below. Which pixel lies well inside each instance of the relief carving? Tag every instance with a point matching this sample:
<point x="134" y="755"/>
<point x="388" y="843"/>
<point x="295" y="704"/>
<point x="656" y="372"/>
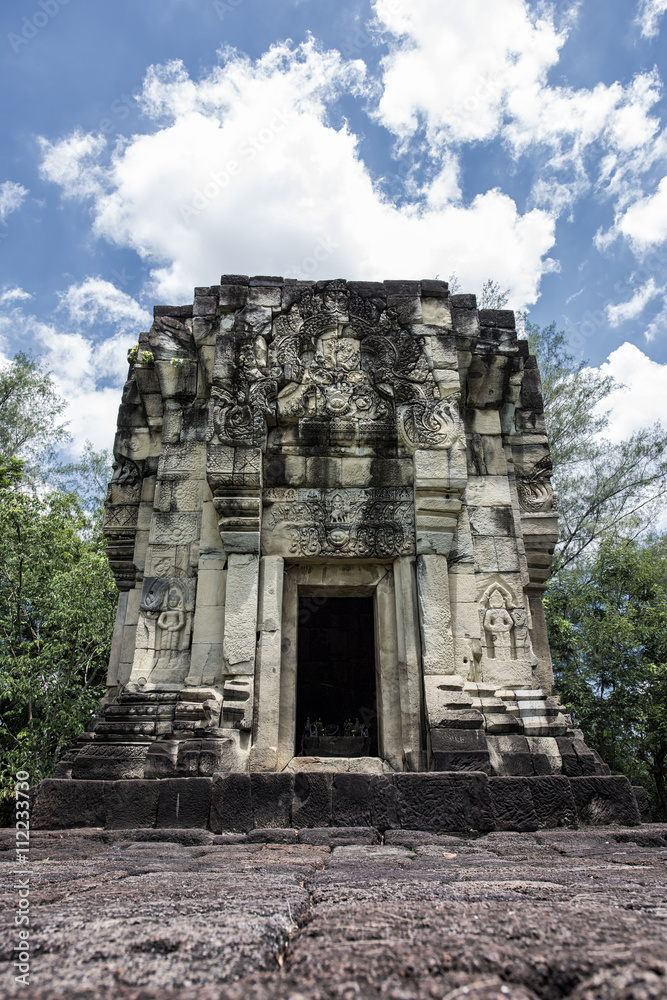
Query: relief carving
<point x="534" y="488"/>
<point x="163" y="632"/>
<point x="121" y="514"/>
<point x="340" y="356"/>
<point x="505" y="625"/>
<point x="240" y="412"/>
<point x="498" y="625"/>
<point x="431" y="424"/>
<point x="353" y="522"/>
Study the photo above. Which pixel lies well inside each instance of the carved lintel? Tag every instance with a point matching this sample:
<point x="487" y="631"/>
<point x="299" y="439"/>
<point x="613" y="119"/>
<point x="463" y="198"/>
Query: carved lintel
<point x="375" y="523"/>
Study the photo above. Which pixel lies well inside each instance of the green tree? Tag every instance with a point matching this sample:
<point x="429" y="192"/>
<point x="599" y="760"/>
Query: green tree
<point x="603" y="488"/>
<point x="88" y="480"/>
<point x="57" y="606"/>
<point x="493" y="296"/>
<point x="607" y="620"/>
<point x="31" y="411"/>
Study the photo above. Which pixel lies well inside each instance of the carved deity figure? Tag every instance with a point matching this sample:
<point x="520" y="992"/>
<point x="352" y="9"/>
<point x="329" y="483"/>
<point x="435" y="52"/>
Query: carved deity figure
<point x="498" y="623"/>
<point x="524" y="647"/>
<point x="171" y="621"/>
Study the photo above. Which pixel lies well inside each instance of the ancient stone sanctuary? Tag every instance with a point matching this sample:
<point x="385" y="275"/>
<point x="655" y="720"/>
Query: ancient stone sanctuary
<point x="331" y="523"/>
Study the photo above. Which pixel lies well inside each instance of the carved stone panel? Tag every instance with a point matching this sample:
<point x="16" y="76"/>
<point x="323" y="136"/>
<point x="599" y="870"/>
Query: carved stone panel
<point x="360" y="523"/>
<point x="121" y="514"/>
<point x="536" y="495"/>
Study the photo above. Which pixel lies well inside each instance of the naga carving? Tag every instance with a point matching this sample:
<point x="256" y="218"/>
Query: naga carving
<point x="431" y="424"/>
<point x="534" y="488"/>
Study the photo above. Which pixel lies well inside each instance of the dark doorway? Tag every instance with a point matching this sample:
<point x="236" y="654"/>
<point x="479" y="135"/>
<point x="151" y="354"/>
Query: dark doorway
<point x="335" y="691"/>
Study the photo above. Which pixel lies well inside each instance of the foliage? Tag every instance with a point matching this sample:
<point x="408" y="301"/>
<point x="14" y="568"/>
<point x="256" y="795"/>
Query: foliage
<point x="603" y="488"/>
<point x="88" y="480"/>
<point x="57" y="606"/>
<point x="31" y="425"/>
<point x="134" y="356"/>
<point x="493" y="296"/>
<point x="607" y="621"/>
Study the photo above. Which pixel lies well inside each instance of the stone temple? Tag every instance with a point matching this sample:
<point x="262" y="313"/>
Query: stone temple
<point x="331" y="522"/>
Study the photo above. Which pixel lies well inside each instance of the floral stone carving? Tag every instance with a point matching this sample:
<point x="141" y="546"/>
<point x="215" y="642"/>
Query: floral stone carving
<point x="361" y="523"/>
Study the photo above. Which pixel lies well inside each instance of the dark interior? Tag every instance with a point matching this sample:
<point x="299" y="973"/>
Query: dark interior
<point x="336" y="670"/>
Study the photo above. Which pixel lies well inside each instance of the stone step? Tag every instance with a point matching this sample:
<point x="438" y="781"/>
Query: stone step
<point x="501" y="723"/>
<point x="439" y="802"/>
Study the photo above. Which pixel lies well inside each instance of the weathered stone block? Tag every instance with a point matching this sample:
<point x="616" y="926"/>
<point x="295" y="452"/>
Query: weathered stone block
<point x="241" y="609"/>
<point x="271" y="796"/>
<point x="161" y="759"/>
<point x="272" y="835"/>
<point x="184" y="802"/>
<point x="510" y="755"/>
<point x="459" y="750"/>
<point x="553" y="800"/>
<point x="231" y="803"/>
<point x="130" y="805"/>
<point x="436" y="312"/>
<point x="512" y="802"/>
<point x="641" y="798"/>
<point x="62" y="803"/>
<point x="338" y="836"/>
<point x="605" y="799"/>
<point x="311" y="803"/>
<point x="384" y="802"/>
<point x="444" y="802"/>
<point x="110" y="761"/>
<point x="351" y="800"/>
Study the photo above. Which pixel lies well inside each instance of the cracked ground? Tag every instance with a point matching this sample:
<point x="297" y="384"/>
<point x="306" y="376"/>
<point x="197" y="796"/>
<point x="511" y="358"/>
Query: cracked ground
<point x="577" y="914"/>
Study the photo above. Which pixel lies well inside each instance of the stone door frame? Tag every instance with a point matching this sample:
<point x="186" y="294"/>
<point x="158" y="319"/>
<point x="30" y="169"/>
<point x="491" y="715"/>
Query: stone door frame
<point x="392" y="585"/>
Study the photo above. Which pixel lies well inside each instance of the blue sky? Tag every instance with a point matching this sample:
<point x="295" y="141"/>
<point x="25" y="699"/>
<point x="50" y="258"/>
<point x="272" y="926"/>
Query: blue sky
<point x="151" y="145"/>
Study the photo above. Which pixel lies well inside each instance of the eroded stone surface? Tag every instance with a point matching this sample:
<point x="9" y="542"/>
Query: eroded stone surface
<point x="183" y="915"/>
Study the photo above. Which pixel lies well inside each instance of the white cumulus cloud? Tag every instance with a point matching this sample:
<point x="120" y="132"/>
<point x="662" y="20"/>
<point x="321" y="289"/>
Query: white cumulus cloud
<point x="245" y="170"/>
<point x="14" y="295"/>
<point x="648" y="16"/>
<point x="95" y="300"/>
<point x="477" y="71"/>
<point x="72" y="163"/>
<point x="658" y="324"/>
<point x="644" y="223"/>
<point x="89" y="375"/>
<point x="641" y="401"/>
<point x="623" y="311"/>
<point x="12" y="196"/>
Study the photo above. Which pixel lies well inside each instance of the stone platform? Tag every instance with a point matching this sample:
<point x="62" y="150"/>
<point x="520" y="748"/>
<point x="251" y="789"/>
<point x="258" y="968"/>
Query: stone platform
<point x="241" y="802"/>
<point x="184" y="915"/>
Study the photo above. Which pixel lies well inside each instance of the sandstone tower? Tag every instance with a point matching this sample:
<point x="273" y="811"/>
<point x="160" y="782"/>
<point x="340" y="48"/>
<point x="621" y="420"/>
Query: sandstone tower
<point x="331" y="523"/>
